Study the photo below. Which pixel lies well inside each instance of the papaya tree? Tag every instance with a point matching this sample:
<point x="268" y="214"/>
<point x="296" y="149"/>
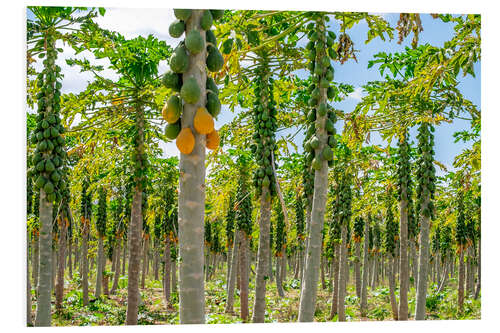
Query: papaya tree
<point x="190" y="122"/>
<point x="50" y="24"/>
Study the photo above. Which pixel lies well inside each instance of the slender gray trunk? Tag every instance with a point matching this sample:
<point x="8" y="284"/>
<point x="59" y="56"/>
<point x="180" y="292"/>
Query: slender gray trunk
<point x="322" y="268"/>
<point x="404" y="278"/>
<point x="279" y="276"/>
<point x="43" y="310"/>
<point x="70" y="263"/>
<point x="392" y="286"/>
<point x="100" y="261"/>
<point x="342" y="275"/>
<point x="124" y="259"/>
<point x="259" y="307"/>
<point x="85" y="262"/>
<point x="336" y="285"/>
<point x="36" y="259"/>
<point x="167" y="271"/>
<point x="364" y="282"/>
<point x="244" y="275"/>
<point x="478" y="286"/>
<point x="174" y="276"/>
<point x="134" y="260"/>
<point x="461" y="278"/>
<point x="413" y="251"/>
<point x="155" y="260"/>
<point x="232" y="275"/>
<point x="229" y="261"/>
<point x="60" y="268"/>
<point x="29" y="319"/>
<point x="357" y="268"/>
<point x="145" y="260"/>
<point x="116" y="276"/>
<point x="423" y="265"/>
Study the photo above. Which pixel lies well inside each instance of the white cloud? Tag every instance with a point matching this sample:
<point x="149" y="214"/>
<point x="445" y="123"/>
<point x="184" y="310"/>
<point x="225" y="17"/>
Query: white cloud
<point x="357" y="94"/>
<point x="134" y="22"/>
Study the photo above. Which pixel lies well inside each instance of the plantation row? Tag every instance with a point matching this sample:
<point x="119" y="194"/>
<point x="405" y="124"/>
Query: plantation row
<point x="107" y="212"/>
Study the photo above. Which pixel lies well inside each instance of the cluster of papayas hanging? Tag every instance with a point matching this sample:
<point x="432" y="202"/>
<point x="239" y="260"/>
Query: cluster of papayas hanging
<point x="264" y="119"/>
<point x="48" y="158"/>
<point x="426" y="173"/>
<point x="320" y="52"/>
<point x="188" y="90"/>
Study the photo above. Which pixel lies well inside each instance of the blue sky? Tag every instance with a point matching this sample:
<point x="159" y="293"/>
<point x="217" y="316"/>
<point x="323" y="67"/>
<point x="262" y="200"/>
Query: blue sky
<point x="134" y="22"/>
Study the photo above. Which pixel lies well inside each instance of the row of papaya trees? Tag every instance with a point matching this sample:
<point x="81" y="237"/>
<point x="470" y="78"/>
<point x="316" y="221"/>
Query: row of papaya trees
<point x="103" y="198"/>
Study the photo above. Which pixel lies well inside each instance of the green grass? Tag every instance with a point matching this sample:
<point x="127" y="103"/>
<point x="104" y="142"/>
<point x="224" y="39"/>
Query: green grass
<point x="111" y="310"/>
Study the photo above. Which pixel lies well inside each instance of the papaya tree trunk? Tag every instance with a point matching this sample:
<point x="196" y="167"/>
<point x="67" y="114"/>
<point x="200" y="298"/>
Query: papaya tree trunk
<point x="29" y="319"/>
<point x="461" y="282"/>
<point x="478" y="285"/>
<point x="259" y="308"/>
<point x="392" y="286"/>
<point x="85" y="262"/>
<point x="124" y="259"/>
<point x="36" y="259"/>
<point x="232" y="275"/>
<point x="414" y="261"/>
<point x="229" y="262"/>
<point x="336" y="285"/>
<point x="192" y="196"/>
<point x="60" y="268"/>
<point x="145" y="260"/>
<point x="304" y="255"/>
<point x="342" y="274"/>
<point x="155" y="260"/>
<point x="43" y="310"/>
<point x="279" y="277"/>
<point x="423" y="265"/>
<point x="100" y="255"/>
<point x="357" y="268"/>
<point x="244" y="253"/>
<point x="70" y="254"/>
<point x="116" y="276"/>
<point x="364" y="282"/>
<point x="403" y="256"/>
<point x="167" y="271"/>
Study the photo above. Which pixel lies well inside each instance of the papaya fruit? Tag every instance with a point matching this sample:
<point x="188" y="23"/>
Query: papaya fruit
<point x="215" y="61"/>
<point x="210" y="37"/>
<point x="227" y="45"/>
<point x="203" y="122"/>
<point x="46" y="133"/>
<point x="183" y="14"/>
<point x="330" y="92"/>
<point x="55" y="176"/>
<point x="48" y="187"/>
<point x="322" y="109"/>
<point x="185" y="141"/>
<point x="172" y="81"/>
<point x="54" y="132"/>
<point x="171" y="112"/>
<point x="213" y="140"/>
<point x="217" y="13"/>
<point x="179" y="61"/>
<point x="49" y="166"/>
<point x="265" y="181"/>
<point x="314" y="142"/>
<point x="176" y="28"/>
<point x="190" y="91"/>
<point x="329" y="75"/>
<point x="316" y="164"/>
<point x="206" y="20"/>
<point x="172" y="130"/>
<point x="194" y="42"/>
<point x="212" y="86"/>
<point x="51" y="197"/>
<point x="331" y="141"/>
<point x="330" y="128"/>
<point x="332" y="54"/>
<point x="213" y="104"/>
<point x="327" y="153"/>
<point x="324" y="83"/>
<point x="40" y="166"/>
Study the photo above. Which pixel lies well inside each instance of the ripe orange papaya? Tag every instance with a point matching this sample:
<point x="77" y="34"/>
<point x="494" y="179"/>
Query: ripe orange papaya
<point x="185" y="141"/>
<point x="203" y="122"/>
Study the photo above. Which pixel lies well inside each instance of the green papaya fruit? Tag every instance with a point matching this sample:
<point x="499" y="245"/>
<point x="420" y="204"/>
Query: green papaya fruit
<point x="190" y="91"/>
<point x="176" y="28"/>
<point x="331" y="141"/>
<point x="55" y="176"/>
<point x="322" y="109"/>
<point x="327" y="153"/>
<point x="45" y="124"/>
<point x="265" y="181"/>
<point x="46" y="133"/>
<point x="40" y="181"/>
<point x="217" y="13"/>
<point x="330" y="92"/>
<point x="54" y="132"/>
<point x="324" y="83"/>
<point x="48" y="187"/>
<point x="314" y="142"/>
<point x="206" y="20"/>
<point x="215" y="61"/>
<point x="194" y="42"/>
<point x="172" y="81"/>
<point x="316" y="164"/>
<point x="210" y="37"/>
<point x="212" y="86"/>
<point x="40" y="166"/>
<point x="51" y="197"/>
<point x="213" y="104"/>
<point x="172" y="130"/>
<point x="227" y="46"/>
<point x="183" y="14"/>
<point x="49" y="166"/>
<point x="179" y="61"/>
